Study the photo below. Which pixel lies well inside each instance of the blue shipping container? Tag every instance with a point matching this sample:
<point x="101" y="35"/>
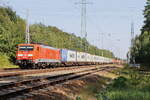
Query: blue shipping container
<point x="64" y="54"/>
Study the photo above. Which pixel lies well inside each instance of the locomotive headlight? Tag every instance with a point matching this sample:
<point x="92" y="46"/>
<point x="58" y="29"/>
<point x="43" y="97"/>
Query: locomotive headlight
<point x="30" y="55"/>
<point x="20" y="54"/>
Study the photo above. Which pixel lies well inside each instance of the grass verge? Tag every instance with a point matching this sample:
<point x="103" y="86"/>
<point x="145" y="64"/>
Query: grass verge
<point x="129" y="85"/>
<point x="5" y="63"/>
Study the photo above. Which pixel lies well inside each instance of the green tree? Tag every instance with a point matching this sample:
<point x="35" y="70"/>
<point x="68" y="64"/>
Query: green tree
<point x="140" y="50"/>
<point x="12" y="29"/>
<point x="12" y="32"/>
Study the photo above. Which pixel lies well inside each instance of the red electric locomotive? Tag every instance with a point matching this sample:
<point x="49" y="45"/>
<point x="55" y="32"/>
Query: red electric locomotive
<point x="37" y="56"/>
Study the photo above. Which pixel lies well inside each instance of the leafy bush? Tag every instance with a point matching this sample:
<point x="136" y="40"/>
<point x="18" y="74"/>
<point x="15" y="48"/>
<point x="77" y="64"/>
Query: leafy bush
<point x="4" y="61"/>
<point x="78" y="98"/>
<point x="120" y="83"/>
<point x="133" y="86"/>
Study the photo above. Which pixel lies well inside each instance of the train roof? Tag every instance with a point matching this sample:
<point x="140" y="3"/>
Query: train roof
<point x="43" y="45"/>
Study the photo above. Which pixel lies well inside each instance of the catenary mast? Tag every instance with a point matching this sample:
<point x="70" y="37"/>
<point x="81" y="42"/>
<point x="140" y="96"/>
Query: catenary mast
<point x="84" y="21"/>
<point x="27" y="36"/>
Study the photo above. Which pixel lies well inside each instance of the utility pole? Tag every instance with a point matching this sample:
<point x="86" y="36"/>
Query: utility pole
<point x="132" y="38"/>
<point x="83" y="18"/>
<point x="27" y="36"/>
<point x="84" y="21"/>
<point x="132" y="33"/>
<point x="102" y="44"/>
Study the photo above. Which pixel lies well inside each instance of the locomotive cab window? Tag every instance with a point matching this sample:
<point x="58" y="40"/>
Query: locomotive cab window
<point x="26" y="48"/>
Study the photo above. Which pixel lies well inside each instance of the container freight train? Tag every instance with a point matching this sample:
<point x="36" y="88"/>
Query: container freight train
<point x="43" y="56"/>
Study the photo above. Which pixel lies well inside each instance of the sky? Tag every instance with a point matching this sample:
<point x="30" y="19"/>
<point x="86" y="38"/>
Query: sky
<point x="112" y="18"/>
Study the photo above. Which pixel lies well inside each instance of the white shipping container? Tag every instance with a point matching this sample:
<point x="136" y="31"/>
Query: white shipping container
<point x="89" y="58"/>
<point x="81" y="57"/>
<point x="103" y="60"/>
<point x="93" y="58"/>
<point x="100" y="59"/>
<point x="71" y="56"/>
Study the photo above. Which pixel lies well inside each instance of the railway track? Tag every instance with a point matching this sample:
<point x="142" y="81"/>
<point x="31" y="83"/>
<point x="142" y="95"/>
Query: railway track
<point x="9" y="69"/>
<point x="18" y="88"/>
<point x="19" y="72"/>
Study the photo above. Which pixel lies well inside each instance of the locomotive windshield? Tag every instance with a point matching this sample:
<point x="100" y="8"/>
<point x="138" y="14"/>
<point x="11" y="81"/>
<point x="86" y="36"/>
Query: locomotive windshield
<point x="26" y="48"/>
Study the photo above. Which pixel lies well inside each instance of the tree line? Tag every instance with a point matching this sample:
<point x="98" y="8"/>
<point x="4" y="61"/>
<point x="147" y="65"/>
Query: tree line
<point x="140" y="50"/>
<point x="12" y="33"/>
